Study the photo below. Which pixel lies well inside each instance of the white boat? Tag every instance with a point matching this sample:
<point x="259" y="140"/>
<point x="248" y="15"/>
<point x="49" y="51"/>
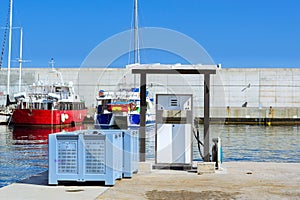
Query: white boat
<point x="121" y="109"/>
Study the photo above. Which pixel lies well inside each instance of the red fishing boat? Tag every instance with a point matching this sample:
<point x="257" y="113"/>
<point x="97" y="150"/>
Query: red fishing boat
<point x="52" y="102"/>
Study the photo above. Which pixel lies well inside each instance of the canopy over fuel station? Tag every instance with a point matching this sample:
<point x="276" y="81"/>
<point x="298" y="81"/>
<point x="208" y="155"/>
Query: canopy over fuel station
<point x="148" y="69"/>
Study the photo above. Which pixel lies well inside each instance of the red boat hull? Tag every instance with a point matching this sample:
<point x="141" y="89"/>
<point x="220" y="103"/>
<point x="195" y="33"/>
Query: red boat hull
<point x="47" y="117"/>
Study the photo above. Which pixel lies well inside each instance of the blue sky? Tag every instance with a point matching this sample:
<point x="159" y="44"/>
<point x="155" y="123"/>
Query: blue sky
<point x="236" y="33"/>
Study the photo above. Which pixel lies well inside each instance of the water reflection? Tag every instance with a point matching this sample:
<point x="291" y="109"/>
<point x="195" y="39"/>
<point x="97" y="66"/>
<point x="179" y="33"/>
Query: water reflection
<point x="38" y="135"/>
<point x="24" y="151"/>
<point x="248" y="143"/>
<point x="259" y="143"/>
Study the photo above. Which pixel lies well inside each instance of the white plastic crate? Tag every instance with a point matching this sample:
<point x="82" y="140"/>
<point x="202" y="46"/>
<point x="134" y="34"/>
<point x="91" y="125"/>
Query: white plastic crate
<point x="90" y="155"/>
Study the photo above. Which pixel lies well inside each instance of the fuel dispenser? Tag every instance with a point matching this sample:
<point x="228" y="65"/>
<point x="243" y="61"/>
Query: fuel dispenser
<point x="173" y="138"/>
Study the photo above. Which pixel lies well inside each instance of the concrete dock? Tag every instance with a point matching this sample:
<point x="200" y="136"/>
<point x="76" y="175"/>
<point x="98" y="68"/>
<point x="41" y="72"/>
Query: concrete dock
<point x="236" y="180"/>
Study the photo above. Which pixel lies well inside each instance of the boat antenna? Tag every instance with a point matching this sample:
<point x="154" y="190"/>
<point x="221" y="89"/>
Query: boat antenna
<point x="20" y="59"/>
<point x="59" y="75"/>
<point x="52" y="62"/>
<point x="136" y="34"/>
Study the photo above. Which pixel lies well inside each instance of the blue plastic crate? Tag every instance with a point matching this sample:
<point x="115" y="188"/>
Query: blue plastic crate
<point x="90" y="155"/>
<point x="130" y="152"/>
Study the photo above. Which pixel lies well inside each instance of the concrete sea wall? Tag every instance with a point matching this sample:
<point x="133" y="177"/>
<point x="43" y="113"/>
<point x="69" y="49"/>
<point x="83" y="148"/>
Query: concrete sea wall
<point x="235" y="92"/>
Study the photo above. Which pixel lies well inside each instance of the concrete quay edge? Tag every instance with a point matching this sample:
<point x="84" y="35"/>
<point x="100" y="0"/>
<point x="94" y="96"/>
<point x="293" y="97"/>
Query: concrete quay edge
<point x="236" y="180"/>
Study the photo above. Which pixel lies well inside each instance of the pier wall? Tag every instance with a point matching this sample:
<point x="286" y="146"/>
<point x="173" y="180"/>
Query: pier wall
<point x="257" y="89"/>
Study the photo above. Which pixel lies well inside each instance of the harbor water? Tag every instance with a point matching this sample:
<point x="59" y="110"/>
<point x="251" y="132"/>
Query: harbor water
<point x="24" y="151"/>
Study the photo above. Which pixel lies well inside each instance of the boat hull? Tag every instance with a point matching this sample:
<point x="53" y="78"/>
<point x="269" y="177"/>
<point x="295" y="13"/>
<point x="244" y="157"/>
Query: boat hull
<point x="133" y="120"/>
<point x="110" y="120"/>
<point x="47" y="117"/>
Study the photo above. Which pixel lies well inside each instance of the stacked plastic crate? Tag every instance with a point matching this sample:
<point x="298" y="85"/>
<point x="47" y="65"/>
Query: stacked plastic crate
<point x="92" y="155"/>
<point x="130" y="152"/>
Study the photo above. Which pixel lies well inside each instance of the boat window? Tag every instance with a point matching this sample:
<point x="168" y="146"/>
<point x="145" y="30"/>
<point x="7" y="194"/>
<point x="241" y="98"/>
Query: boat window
<point x="57" y="89"/>
<point x="49" y="106"/>
<point x="56" y="106"/>
<point x="64" y="95"/>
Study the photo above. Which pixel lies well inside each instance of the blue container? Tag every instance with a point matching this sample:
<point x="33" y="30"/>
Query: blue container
<point x="130" y="152"/>
<point x="89" y="155"/>
<point x="134" y="119"/>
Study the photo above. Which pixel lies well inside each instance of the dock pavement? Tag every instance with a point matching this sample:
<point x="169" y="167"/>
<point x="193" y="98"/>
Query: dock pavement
<point x="236" y="180"/>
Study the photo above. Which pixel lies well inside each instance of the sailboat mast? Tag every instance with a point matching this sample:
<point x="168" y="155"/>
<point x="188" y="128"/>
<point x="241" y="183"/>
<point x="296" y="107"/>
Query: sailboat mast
<point x="9" y="45"/>
<point x="20" y="59"/>
<point x="136" y="42"/>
